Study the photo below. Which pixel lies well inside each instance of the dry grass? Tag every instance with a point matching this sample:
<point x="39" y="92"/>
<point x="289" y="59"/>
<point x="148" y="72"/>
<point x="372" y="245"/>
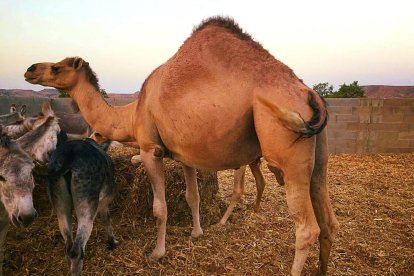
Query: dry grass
<point x="371" y="194"/>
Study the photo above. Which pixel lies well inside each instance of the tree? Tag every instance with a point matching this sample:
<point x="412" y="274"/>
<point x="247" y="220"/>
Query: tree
<point x="63" y="94"/>
<point x="324" y="89"/>
<point x="352" y="90"/>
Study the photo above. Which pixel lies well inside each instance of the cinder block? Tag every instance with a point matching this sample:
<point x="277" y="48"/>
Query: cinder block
<point x="377" y="102"/>
<point x="346" y="118"/>
<point x="391" y="127"/>
<point x="399" y="102"/>
<point x="357" y="126"/>
<point x="406" y="135"/>
<point x="344" y="102"/>
<point x="340" y="109"/>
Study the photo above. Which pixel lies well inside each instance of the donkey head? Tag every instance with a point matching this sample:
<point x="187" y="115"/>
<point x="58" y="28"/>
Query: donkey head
<point x="16" y="182"/>
<point x="14" y="116"/>
<point x="42" y="140"/>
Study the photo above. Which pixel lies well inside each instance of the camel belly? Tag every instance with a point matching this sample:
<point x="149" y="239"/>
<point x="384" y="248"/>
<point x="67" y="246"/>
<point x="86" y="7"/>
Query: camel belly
<point x="211" y="136"/>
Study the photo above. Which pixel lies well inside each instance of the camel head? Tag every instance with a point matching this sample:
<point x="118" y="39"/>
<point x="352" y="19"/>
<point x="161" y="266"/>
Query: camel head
<point x="16" y="182"/>
<point x="64" y="75"/>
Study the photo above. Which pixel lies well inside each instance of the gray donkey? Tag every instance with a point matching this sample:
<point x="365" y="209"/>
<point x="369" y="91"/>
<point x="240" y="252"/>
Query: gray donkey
<point x="14" y="115"/>
<point x="16" y="180"/>
<point x="81" y="176"/>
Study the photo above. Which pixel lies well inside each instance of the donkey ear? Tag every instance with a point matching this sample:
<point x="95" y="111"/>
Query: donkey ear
<point x="13" y="108"/>
<point x="77" y="63"/>
<point x="23" y="109"/>
<point x="47" y="109"/>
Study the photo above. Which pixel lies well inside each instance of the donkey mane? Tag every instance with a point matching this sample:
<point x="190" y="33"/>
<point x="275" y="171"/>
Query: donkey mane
<point x="91" y="75"/>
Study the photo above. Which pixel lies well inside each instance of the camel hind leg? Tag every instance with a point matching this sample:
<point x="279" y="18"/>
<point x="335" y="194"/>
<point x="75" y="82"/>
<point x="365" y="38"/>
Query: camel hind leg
<point x="238" y="192"/>
<point x="295" y="159"/>
<point x="321" y="202"/>
<point x="260" y="182"/>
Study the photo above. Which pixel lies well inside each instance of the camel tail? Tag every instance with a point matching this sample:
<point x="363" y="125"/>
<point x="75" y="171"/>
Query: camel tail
<point x="294" y="122"/>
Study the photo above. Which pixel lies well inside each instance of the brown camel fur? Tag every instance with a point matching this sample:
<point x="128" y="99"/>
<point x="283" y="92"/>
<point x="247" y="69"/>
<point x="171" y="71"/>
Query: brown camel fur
<point x="221" y="102"/>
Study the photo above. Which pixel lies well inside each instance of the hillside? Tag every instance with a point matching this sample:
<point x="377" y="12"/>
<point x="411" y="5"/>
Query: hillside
<point x="52" y="93"/>
<point x="371" y="91"/>
<point x="388" y="91"/>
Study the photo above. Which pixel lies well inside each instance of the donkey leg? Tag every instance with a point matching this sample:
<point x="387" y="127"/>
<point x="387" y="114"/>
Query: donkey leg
<point x="85" y="212"/>
<point x="155" y="170"/>
<point x="193" y="199"/>
<point x="260" y="182"/>
<point x="4" y="227"/>
<point x="106" y="219"/>
<point x="62" y="204"/>
<point x="238" y="192"/>
<point x="321" y="203"/>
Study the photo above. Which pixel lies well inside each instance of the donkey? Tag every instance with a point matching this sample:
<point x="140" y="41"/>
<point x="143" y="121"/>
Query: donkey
<point x="16" y="180"/>
<point x="81" y="176"/>
<point x="14" y="115"/>
<point x="73" y="124"/>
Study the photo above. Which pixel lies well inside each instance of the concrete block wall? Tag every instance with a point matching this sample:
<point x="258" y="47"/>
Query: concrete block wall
<point x="371" y="125"/>
<point x="355" y="126"/>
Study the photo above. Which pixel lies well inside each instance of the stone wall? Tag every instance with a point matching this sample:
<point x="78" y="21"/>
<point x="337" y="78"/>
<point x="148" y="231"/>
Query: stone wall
<point x="371" y="125"/>
<point x="355" y="125"/>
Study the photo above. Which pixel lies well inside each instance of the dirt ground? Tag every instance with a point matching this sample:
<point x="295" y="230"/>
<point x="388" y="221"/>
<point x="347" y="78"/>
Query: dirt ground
<point x="372" y="195"/>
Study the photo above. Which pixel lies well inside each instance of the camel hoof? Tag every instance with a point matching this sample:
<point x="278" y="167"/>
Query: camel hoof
<point x="197" y="233"/>
<point x="155" y="256"/>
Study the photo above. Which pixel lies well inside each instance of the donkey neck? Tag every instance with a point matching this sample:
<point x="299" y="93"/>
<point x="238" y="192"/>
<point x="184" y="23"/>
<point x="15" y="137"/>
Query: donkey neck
<point x="113" y="122"/>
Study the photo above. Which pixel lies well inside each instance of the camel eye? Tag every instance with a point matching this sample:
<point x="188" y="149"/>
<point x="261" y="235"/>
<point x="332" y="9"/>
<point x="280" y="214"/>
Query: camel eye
<point x="55" y="70"/>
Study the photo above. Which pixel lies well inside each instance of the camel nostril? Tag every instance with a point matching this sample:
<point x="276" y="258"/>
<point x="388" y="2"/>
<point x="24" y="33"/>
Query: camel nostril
<point x="31" y="68"/>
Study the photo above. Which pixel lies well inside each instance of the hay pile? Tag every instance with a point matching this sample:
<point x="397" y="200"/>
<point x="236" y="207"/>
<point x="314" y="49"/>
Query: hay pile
<point x="135" y="192"/>
<point x="372" y="196"/>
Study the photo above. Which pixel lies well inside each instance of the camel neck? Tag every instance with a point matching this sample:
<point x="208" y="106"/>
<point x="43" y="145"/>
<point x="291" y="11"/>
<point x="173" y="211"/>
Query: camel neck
<point x="113" y="122"/>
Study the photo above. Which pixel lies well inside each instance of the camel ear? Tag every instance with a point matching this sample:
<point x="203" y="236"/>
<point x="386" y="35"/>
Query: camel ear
<point x="13" y="108"/>
<point x="77" y="63"/>
<point x="23" y="109"/>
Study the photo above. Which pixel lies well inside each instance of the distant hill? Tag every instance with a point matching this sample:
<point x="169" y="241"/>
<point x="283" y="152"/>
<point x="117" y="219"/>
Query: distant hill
<point x="371" y="91"/>
<point x="53" y="93"/>
<point x="388" y="91"/>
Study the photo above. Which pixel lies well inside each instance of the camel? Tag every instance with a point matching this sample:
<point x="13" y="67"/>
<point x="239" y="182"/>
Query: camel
<point x="221" y="102"/>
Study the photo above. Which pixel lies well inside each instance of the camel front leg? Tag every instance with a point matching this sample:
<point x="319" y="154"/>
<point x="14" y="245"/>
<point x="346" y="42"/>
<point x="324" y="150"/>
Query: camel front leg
<point x="155" y="170"/>
<point x="193" y="199"/>
<point x="238" y="192"/>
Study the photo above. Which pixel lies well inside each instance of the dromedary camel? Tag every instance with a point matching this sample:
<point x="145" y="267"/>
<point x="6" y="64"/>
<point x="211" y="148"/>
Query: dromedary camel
<point x="220" y="102"/>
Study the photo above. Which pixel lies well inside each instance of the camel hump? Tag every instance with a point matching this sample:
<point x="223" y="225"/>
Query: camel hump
<point x="294" y="122"/>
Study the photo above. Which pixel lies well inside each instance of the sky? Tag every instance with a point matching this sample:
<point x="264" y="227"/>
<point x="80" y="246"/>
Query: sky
<point x="371" y="42"/>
